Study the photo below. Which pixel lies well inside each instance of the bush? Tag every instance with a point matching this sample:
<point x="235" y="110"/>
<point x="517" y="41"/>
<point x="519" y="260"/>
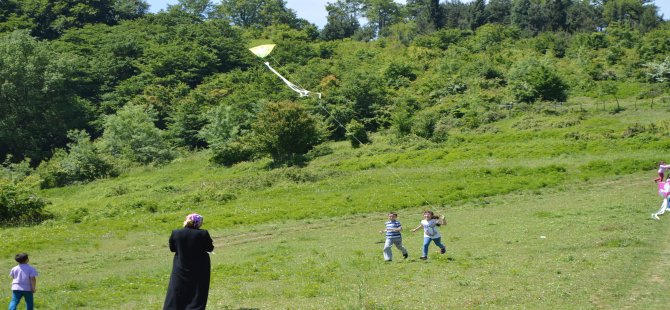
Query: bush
<point x="131" y="134"/>
<point x="225" y="123"/>
<point x="19" y="205"/>
<point x="356" y="134"/>
<point x="441" y="131"/>
<point x="534" y="80"/>
<point x="82" y="163"/>
<point x="285" y="130"/>
<point x="401" y="122"/>
<point x="15" y="172"/>
<point x="399" y="75"/>
<point x="424" y="122"/>
<point x="233" y="152"/>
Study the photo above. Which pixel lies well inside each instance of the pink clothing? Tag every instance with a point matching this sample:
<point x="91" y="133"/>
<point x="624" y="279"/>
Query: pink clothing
<point x="664" y="189"/>
<point x="21" y="276"/>
<point x="662" y="168"/>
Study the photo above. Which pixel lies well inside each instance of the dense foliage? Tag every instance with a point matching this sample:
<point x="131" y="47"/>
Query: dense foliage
<point x="135" y="88"/>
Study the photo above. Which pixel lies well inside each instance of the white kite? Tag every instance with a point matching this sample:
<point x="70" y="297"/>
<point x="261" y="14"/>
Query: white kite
<point x="262" y="51"/>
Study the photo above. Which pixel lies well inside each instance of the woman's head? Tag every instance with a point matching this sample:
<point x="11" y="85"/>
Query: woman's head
<point x="193" y="220"/>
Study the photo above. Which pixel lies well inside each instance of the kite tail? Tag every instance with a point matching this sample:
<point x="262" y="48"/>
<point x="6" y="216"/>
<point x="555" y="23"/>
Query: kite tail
<point x="303" y="92"/>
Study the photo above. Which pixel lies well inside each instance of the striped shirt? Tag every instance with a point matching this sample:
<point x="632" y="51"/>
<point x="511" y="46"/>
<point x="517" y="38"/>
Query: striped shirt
<point x="393" y="234"/>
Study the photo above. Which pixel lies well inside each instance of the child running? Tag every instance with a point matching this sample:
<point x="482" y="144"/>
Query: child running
<point x="393" y="237"/>
<point x="24" y="282"/>
<point x="663" y="191"/>
<point x="430" y="223"/>
<point x="661" y="171"/>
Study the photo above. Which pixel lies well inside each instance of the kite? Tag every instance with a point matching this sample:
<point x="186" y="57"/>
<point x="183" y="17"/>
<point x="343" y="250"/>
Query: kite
<point x="264" y="50"/>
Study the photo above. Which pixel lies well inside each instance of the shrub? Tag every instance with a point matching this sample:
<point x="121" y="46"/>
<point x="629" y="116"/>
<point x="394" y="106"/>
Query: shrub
<point x="399" y="75"/>
<point x="424" y="122"/>
<point x="232" y="152"/>
<point x="337" y="111"/>
<point x="534" y="80"/>
<point x="82" y="163"/>
<point x="132" y="135"/>
<point x="356" y="133"/>
<point x="225" y="123"/>
<point x="401" y="122"/>
<point x="285" y="130"/>
<point x="441" y="131"/>
<point x="18" y="204"/>
<point x="15" y="172"/>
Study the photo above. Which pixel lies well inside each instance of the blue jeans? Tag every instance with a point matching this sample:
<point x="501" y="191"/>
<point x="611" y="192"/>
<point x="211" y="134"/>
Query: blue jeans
<point x="426" y="242"/>
<point x="16" y="298"/>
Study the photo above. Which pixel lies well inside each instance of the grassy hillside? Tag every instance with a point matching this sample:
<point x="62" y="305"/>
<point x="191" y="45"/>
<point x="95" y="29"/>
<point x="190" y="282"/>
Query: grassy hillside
<point x="306" y="237"/>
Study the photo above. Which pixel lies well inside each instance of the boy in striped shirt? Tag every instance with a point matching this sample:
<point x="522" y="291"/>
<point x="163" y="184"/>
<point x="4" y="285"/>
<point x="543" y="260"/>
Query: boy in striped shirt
<point x="393" y="237"/>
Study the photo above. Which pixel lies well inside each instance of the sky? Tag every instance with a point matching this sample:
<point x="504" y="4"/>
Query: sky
<point x="315" y="10"/>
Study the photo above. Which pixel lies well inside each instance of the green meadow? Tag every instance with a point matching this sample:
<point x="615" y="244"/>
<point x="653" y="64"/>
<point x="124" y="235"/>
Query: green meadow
<point x="549" y="208"/>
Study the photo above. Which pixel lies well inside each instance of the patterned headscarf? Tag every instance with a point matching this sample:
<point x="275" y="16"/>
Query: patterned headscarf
<point x="193" y="220"/>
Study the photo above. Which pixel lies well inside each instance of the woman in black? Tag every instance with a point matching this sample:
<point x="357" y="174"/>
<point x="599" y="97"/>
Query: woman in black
<point x="189" y="281"/>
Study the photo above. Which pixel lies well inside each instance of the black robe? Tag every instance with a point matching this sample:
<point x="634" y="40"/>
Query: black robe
<point x="189" y="281"/>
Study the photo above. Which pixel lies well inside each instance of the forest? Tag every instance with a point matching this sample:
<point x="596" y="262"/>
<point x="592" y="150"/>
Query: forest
<point x="89" y="89"/>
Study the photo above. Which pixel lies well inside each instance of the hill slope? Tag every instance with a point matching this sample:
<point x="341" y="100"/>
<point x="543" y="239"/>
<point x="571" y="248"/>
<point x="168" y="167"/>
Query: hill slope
<point x="306" y="237"/>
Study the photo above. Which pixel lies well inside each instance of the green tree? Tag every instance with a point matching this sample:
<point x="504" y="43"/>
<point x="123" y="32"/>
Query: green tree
<point x="499" y="11"/>
<point x="659" y="72"/>
<point x="427" y="14"/>
<point x="456" y="14"/>
<point x="556" y="12"/>
<point x="368" y="96"/>
<point x="258" y="13"/>
<point x="153" y="57"/>
<point x="610" y="88"/>
<point x="12" y="18"/>
<point x="52" y="17"/>
<point x="129" y="9"/>
<point x="478" y="14"/>
<point x="19" y="205"/>
<point x="82" y="162"/>
<point x="342" y="21"/>
<point x="637" y="14"/>
<point x="356" y="134"/>
<point x="225" y="123"/>
<point x="185" y="123"/>
<point x="38" y="102"/>
<point x="130" y="134"/>
<point x="381" y="14"/>
<point x="286" y="131"/>
<point x="581" y="16"/>
<point x="521" y="13"/>
<point x="199" y="8"/>
<point x="537" y="18"/>
<point x="533" y="80"/>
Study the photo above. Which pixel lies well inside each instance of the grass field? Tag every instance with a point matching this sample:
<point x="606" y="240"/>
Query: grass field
<point x="545" y="210"/>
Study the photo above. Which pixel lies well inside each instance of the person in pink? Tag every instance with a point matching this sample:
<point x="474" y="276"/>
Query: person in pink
<point x="663" y="191"/>
<point x="661" y="171"/>
<point x="24" y="282"/>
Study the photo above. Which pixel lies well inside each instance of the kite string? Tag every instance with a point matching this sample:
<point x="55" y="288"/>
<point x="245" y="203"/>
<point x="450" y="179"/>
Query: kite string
<point x="395" y="174"/>
<point x="402" y="180"/>
<point x="294" y="86"/>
